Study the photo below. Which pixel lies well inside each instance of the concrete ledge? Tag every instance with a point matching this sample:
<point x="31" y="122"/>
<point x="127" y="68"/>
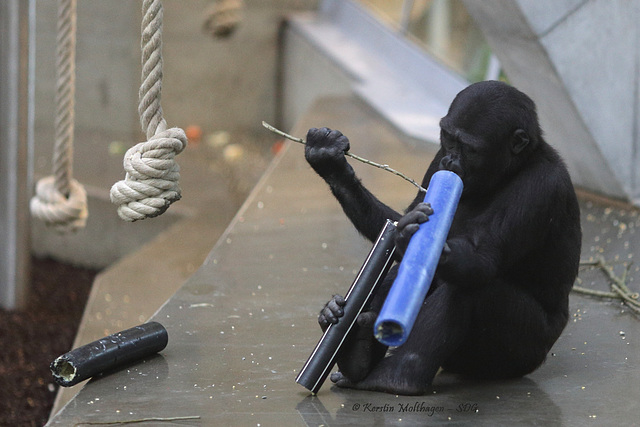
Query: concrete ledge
<point x="134" y="288"/>
<point x="245" y="322"/>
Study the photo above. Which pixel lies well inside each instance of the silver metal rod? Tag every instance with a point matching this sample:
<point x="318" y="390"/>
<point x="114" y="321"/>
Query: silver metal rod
<point x="17" y="20"/>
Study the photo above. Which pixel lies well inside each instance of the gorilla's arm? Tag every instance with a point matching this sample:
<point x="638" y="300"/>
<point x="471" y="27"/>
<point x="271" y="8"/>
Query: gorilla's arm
<point x="507" y="231"/>
<point x="324" y="151"/>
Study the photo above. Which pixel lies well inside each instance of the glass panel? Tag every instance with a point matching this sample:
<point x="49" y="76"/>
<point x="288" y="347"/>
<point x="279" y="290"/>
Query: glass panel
<point x="389" y="11"/>
<point x="443" y="28"/>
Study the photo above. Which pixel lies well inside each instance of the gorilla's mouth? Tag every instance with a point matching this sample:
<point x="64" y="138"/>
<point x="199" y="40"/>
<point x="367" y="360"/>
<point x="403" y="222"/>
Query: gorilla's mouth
<point x="455" y="168"/>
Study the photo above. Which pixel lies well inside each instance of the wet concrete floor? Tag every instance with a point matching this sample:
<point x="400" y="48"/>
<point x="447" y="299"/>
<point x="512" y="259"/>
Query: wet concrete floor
<point x="244" y="324"/>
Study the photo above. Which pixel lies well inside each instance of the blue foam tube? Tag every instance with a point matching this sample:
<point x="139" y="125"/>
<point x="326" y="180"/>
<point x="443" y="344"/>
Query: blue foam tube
<point x="420" y="261"/>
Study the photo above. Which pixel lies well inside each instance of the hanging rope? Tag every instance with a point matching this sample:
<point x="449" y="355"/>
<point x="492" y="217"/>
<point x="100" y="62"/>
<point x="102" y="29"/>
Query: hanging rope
<point x="60" y="200"/>
<point x="151" y="180"/>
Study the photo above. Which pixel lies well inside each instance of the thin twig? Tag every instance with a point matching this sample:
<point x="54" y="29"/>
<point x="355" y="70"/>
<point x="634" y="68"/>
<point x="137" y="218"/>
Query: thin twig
<point x="608" y="270"/>
<point x="618" y="285"/>
<point x="353" y="156"/>
<point x="590" y="263"/>
<point x="631" y="303"/>
<point x="595" y="293"/>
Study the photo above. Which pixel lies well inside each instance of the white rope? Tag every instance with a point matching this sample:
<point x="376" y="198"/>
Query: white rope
<point x="151" y="180"/>
<point x="61" y="201"/>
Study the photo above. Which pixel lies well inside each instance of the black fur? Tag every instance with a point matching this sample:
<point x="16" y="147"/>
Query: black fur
<point x="499" y="299"/>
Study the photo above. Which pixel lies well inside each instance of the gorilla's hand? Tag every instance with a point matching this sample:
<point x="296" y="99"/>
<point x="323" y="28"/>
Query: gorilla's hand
<point x="325" y="150"/>
<point x="409" y="224"/>
<point x="332" y="311"/>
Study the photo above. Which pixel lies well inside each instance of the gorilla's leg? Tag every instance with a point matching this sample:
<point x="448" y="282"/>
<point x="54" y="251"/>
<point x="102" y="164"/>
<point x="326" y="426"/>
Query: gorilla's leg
<point x="438" y="331"/>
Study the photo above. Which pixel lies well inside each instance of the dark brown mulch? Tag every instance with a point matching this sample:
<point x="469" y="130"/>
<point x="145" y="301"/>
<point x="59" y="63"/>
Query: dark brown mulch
<point x="32" y="338"/>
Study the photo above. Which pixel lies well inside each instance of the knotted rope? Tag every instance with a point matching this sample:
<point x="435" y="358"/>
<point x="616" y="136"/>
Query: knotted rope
<point x="151" y="180"/>
<point x="61" y="201"/>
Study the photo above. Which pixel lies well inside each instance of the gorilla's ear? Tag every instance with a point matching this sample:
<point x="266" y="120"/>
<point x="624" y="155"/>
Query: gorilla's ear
<point x="519" y="141"/>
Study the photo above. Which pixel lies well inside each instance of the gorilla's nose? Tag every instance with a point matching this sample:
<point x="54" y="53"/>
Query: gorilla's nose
<point x="453" y="165"/>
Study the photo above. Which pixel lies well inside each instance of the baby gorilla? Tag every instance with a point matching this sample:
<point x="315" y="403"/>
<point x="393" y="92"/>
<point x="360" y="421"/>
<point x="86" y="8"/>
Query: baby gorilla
<point x="499" y="298"/>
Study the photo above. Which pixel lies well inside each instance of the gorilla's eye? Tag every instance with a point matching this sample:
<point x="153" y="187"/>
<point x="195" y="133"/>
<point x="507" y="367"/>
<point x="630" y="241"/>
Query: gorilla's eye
<point x="448" y="145"/>
<point x="470" y="149"/>
<point x="446" y="135"/>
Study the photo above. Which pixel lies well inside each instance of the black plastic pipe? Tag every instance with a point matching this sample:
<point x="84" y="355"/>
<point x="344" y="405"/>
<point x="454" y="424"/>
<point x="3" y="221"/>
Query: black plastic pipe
<point x="109" y="353"/>
<point x="374" y="269"/>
